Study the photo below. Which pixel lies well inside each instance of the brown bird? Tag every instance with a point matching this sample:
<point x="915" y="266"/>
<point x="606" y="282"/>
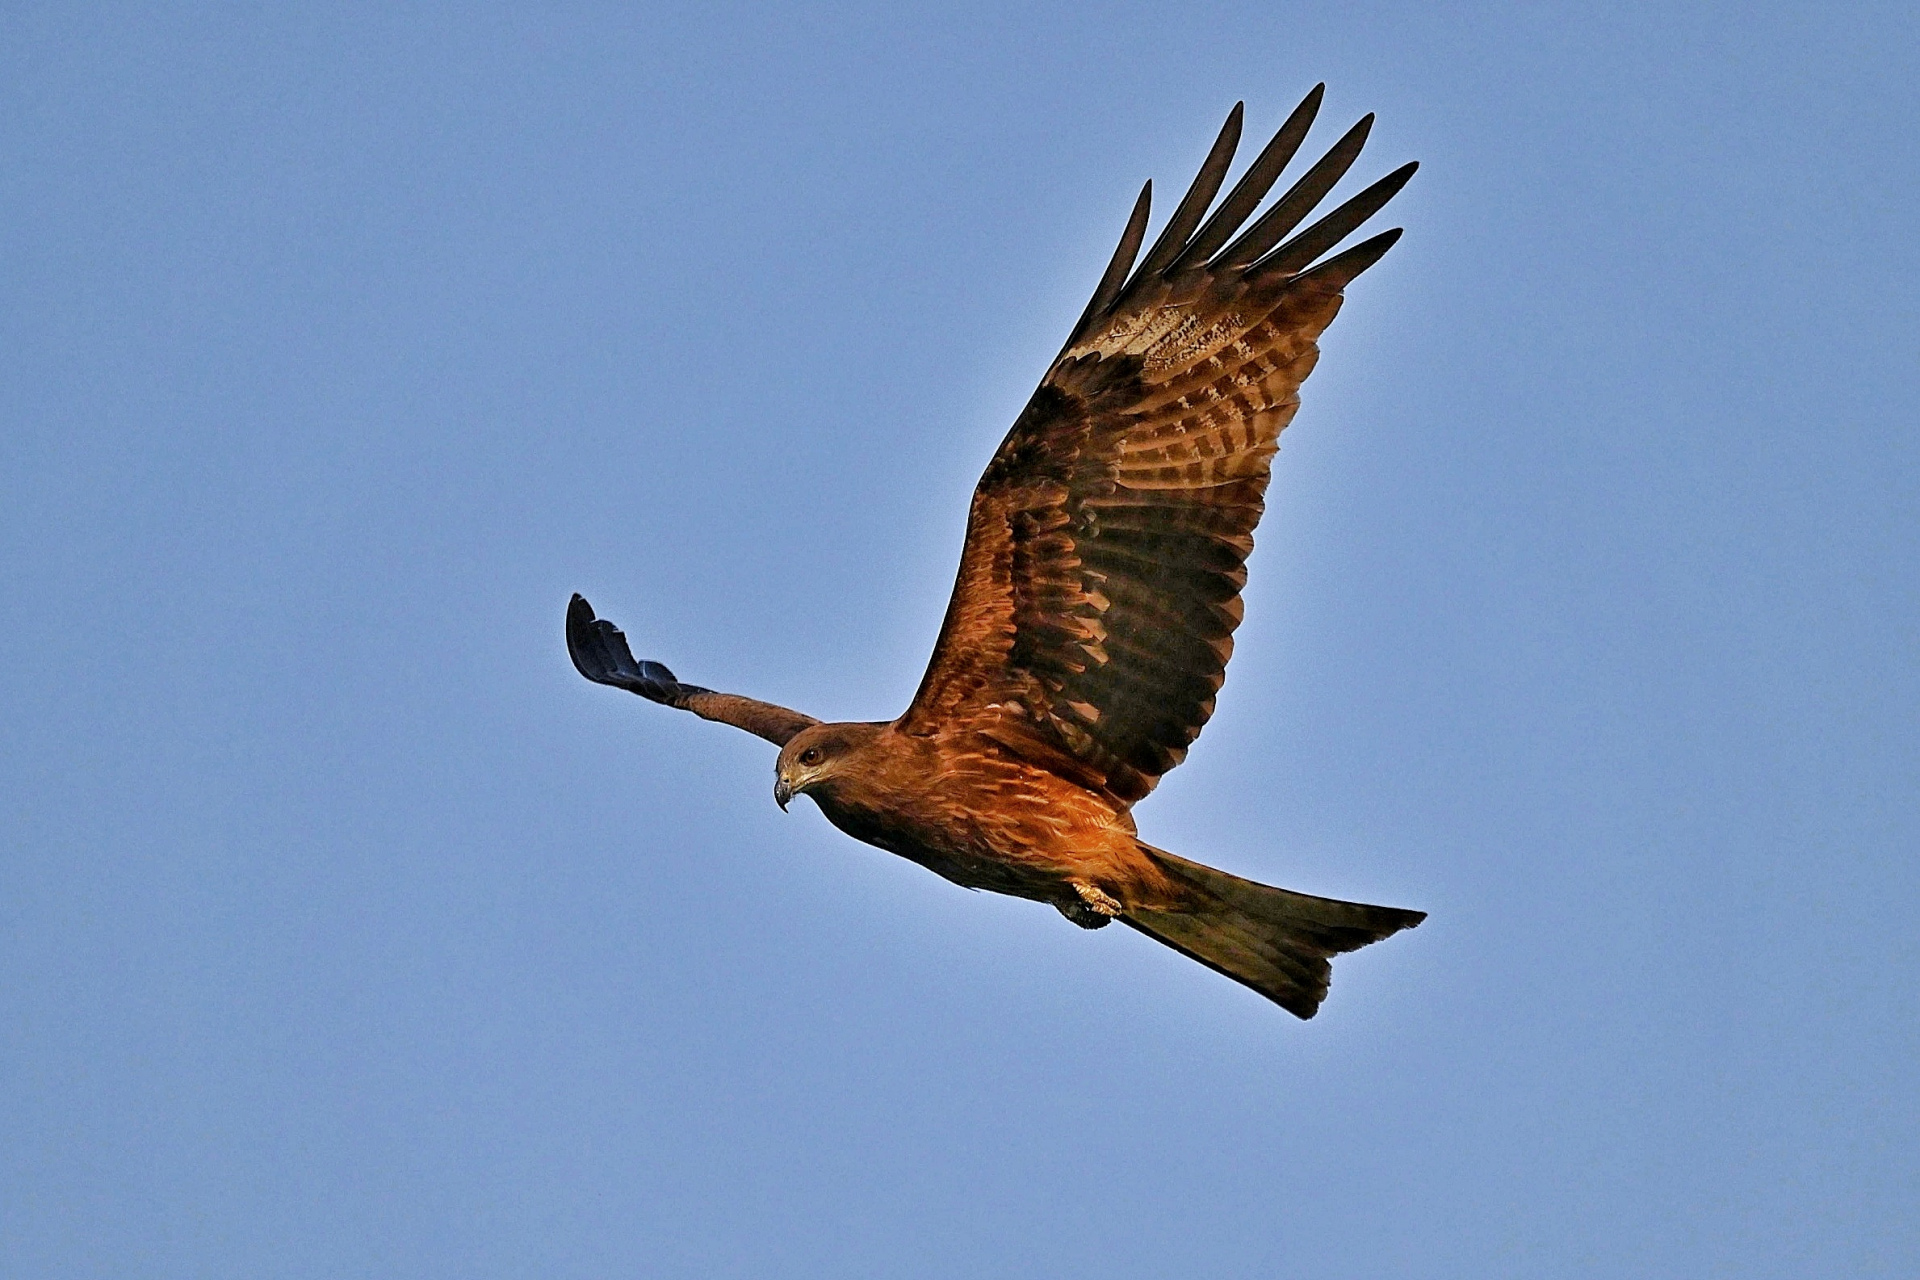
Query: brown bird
<point x="1099" y="589"/>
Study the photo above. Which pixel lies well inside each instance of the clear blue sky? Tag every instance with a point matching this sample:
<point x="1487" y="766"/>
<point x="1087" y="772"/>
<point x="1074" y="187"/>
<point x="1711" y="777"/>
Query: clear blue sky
<point x="345" y="931"/>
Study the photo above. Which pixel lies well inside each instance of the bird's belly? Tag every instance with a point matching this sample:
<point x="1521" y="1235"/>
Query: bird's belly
<point x="974" y="862"/>
<point x="1017" y="842"/>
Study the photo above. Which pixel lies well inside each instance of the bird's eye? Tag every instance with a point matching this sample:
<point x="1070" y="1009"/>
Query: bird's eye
<point x="810" y="756"/>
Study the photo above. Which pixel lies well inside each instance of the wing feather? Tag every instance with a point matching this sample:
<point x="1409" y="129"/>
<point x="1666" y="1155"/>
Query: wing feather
<point x="1193" y="206"/>
<point x="1115" y="277"/>
<point x="600" y="653"/>
<point x="1255" y="182"/>
<point x="1099" y="585"/>
<point x="1300" y="199"/>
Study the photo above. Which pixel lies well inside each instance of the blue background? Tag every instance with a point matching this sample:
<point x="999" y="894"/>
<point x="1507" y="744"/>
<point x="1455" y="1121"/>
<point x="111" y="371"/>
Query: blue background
<point x="345" y="931"/>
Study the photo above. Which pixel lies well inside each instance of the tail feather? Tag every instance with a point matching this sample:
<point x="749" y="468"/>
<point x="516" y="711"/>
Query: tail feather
<point x="1274" y="940"/>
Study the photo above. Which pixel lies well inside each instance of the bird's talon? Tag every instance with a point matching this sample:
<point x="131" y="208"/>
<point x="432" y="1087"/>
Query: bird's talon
<point x="1091" y="907"/>
<point x="1098" y="899"/>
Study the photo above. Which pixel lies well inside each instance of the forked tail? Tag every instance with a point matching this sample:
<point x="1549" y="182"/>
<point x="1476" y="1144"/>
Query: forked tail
<point x="1274" y="940"/>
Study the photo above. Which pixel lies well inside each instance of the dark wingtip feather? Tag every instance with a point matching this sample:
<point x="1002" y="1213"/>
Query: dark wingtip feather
<point x="1122" y="262"/>
<point x="1179" y="247"/>
<point x="580" y="636"/>
<point x="1255" y="182"/>
<point x="1332" y="229"/>
<point x="1339" y="271"/>
<point x="1299" y="201"/>
<point x="600" y="653"/>
<point x="588" y="644"/>
<point x="1193" y="205"/>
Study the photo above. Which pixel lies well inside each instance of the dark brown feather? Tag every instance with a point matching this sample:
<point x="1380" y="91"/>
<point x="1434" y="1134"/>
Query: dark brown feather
<point x="1115" y="276"/>
<point x="1254" y="183"/>
<point x="1274" y="940"/>
<point x="1288" y="212"/>
<point x="1193" y="206"/>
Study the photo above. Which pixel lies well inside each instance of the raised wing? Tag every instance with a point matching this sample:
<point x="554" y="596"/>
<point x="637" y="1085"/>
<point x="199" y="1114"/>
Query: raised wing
<point x="599" y="652"/>
<point x="1106" y="548"/>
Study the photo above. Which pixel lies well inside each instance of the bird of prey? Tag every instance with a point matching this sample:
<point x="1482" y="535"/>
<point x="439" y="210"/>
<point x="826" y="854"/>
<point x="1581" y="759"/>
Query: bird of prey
<point x="1099" y="588"/>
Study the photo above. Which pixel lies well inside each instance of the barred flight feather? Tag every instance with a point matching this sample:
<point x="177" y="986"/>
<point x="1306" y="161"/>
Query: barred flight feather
<point x="1099" y="587"/>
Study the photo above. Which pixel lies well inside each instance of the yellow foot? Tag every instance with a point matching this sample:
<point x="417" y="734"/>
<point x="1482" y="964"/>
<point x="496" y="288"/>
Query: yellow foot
<point x="1091" y="907"/>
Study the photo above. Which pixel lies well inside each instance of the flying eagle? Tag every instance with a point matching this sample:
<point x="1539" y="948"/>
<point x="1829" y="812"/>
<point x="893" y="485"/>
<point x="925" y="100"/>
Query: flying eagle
<point x="1099" y="589"/>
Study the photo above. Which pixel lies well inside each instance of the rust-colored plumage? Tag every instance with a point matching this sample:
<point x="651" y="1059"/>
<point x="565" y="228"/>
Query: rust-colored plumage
<point x="1099" y="589"/>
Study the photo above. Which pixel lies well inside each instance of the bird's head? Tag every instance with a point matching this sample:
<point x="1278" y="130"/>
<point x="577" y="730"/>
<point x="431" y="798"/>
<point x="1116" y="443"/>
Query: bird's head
<point x="815" y="756"/>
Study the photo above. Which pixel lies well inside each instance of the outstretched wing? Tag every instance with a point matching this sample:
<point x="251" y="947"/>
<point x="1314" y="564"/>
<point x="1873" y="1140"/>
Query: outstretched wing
<point x="1099" y="587"/>
<point x="599" y="651"/>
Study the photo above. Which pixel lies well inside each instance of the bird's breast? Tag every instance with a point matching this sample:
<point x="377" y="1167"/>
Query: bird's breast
<point x="974" y="814"/>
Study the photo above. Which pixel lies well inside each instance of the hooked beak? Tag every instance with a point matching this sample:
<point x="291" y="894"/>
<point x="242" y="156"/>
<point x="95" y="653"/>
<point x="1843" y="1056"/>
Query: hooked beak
<point x="782" y="793"/>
